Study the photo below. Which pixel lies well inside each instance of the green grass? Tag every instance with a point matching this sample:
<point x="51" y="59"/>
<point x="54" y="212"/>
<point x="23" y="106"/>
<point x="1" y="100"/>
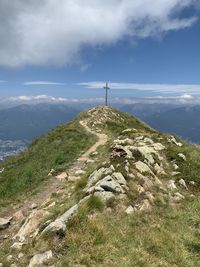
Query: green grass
<point x="165" y="237"/>
<point x="26" y="172"/>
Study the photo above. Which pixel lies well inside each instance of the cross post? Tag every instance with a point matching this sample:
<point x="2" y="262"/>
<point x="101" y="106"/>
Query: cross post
<point x="106" y="98"/>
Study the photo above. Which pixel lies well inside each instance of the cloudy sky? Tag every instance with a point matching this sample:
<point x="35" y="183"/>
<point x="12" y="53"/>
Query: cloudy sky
<point x="69" y="48"/>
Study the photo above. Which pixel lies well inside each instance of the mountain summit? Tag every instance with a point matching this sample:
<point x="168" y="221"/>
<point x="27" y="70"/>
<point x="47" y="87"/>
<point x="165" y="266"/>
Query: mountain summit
<point x="104" y="190"/>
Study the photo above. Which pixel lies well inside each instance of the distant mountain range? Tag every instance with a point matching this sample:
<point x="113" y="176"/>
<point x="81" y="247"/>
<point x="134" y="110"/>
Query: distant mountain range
<point x="26" y="122"/>
<point x="30" y="121"/>
<point x="180" y="120"/>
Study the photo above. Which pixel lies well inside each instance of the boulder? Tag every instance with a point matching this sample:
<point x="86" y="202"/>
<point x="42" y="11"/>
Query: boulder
<point x="41" y="259"/>
<point x="4" y="223"/>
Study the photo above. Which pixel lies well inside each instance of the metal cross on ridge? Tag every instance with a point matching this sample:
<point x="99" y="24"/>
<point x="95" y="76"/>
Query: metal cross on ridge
<point x="106" y="98"/>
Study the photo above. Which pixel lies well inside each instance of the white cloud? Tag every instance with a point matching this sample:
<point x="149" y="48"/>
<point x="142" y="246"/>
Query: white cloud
<point x="185" y="89"/>
<point x="40" y="32"/>
<point x="42" y="83"/>
<point x="182" y="99"/>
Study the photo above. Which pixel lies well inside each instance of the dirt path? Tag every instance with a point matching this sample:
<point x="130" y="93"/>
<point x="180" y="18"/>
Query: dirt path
<point x="54" y="184"/>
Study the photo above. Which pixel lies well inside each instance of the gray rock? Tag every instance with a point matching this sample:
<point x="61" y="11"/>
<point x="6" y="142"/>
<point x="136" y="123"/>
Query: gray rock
<point x="9" y="258"/>
<point x="182" y="156"/>
<point x="31" y="224"/>
<point x="178" y="197"/>
<point x="4" y="223"/>
<point x="41" y="259"/>
<point x="97" y="174"/>
<point x="119" y="178"/>
<point x="17" y="246"/>
<point x="104" y="196"/>
<point x="129" y="210"/>
<point x="183" y="183"/>
<point x="171" y="185"/>
<point x="59" y="225"/>
<point x="142" y="167"/>
<point x="34" y="206"/>
<point x="109" y="184"/>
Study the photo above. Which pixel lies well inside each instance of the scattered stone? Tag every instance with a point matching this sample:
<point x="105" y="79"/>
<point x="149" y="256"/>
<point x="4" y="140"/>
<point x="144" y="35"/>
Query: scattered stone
<point x="1" y="264"/>
<point x="21" y="255"/>
<point x="2" y="170"/>
<point x="175" y="166"/>
<point x="41" y="259"/>
<point x="79" y="172"/>
<point x="182" y="156"/>
<point x="192" y="183"/>
<point x="159" y="170"/>
<point x="129" y="210"/>
<point x="18" y="216"/>
<point x="4" y="223"/>
<point x="172" y="139"/>
<point x="143" y="206"/>
<point x="52" y="171"/>
<point x="94" y="154"/>
<point x="178" y="197"/>
<point x="183" y="183"/>
<point x="9" y="258"/>
<point x="175" y="173"/>
<point x="171" y="185"/>
<point x="13" y="265"/>
<point x="88" y="161"/>
<point x="62" y="176"/>
<point x="17" y="245"/>
<point x="34" y="206"/>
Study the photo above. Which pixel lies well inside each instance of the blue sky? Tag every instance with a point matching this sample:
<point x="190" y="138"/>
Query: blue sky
<point x="164" y="53"/>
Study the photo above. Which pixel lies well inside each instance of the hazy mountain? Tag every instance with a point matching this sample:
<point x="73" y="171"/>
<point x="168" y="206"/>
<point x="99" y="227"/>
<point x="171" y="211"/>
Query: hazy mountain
<point x="30" y="121"/>
<point x="183" y="121"/>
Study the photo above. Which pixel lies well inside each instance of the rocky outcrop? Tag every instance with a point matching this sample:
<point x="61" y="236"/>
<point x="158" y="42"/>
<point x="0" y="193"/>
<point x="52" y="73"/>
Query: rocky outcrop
<point x="31" y="225"/>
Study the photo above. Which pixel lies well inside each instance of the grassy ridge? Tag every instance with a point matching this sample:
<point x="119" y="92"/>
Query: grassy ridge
<point x="58" y="149"/>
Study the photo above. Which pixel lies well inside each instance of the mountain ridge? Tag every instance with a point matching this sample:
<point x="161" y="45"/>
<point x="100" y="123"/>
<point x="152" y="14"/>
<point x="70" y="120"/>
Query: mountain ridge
<point x="130" y="190"/>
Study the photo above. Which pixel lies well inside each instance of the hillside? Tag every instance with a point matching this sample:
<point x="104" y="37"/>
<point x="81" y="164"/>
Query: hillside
<point x="120" y="194"/>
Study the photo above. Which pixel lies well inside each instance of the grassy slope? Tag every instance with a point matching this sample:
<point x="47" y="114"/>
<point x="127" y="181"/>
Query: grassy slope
<point x="168" y="236"/>
<point x="26" y="172"/>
